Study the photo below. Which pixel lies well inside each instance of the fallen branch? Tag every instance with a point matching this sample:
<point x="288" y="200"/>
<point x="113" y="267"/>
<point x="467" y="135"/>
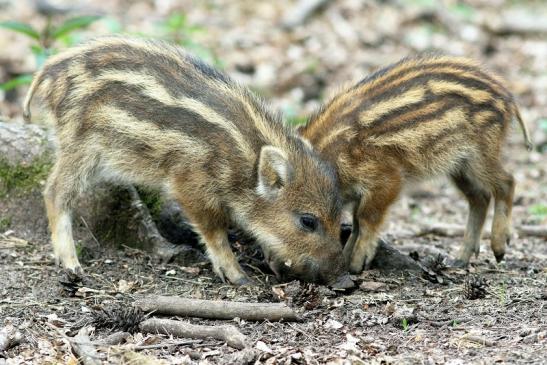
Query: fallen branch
<point x="7" y="241"/>
<point x="455" y="230"/>
<point x="9" y="337"/>
<point x="216" y="309"/>
<point x="389" y="258"/>
<point x="84" y="349"/>
<point x="478" y="339"/>
<point x="442" y="229"/>
<point x="226" y="333"/>
<point x="532" y="231"/>
<point x="302" y="10"/>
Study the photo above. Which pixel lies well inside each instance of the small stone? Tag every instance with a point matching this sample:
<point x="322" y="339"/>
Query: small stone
<point x="333" y="324"/>
<point x="263" y="347"/>
<point x="372" y="286"/>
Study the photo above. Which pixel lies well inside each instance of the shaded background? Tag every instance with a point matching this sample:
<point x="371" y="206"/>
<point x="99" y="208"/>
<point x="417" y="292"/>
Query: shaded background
<point x="298" y="59"/>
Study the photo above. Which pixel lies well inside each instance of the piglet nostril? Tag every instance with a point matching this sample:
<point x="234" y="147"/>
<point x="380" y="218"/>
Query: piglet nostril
<point x="342" y="282"/>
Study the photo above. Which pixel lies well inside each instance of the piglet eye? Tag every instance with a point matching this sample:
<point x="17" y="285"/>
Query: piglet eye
<point x="309" y="222"/>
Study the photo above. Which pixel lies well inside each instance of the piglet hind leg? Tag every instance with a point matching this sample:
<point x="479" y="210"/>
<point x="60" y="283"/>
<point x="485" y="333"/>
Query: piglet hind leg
<point x="478" y="199"/>
<point x="62" y="188"/>
<point x="504" y="188"/>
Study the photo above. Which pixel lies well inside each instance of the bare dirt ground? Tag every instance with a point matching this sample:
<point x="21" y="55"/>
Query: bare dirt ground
<point x="392" y="317"/>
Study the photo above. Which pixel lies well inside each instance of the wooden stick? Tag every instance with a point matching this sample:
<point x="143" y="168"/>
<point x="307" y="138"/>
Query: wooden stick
<point x="226" y="333"/>
<point x="388" y="258"/>
<point x="216" y="309"/>
<point x="147" y="230"/>
<point x="84" y="349"/>
<point x="9" y="337"/>
<point x="533" y="231"/>
<point x="302" y="10"/>
<point x="442" y="229"/>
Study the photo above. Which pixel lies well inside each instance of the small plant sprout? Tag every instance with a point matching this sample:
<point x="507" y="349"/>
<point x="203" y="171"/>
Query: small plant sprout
<point x="405" y="325"/>
<point x="177" y="29"/>
<point x="502" y="293"/>
<point x="538" y="210"/>
<point x="44" y="41"/>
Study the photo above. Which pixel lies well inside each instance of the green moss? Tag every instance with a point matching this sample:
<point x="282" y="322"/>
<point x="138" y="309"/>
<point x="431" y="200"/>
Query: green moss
<point x="153" y="201"/>
<point x="22" y="178"/>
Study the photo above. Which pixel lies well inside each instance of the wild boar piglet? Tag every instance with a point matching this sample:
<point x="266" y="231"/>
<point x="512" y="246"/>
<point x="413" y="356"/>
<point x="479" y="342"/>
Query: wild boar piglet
<point x="143" y="112"/>
<point x="416" y="119"/>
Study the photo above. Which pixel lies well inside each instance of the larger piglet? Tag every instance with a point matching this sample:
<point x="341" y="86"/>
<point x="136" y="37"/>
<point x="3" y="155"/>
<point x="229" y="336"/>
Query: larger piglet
<point x="144" y="112"/>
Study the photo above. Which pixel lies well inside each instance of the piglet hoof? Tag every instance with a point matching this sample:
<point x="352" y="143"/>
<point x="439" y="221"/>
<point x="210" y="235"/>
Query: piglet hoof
<point x="499" y="257"/>
<point x="343" y="282"/>
<point x="71" y="270"/>
<point x="356" y="266"/>
<point x="244" y="281"/>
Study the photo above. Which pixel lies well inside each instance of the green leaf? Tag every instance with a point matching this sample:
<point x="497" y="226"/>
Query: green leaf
<point x="176" y="22"/>
<point x="72" y="24"/>
<point x="21" y="28"/>
<point x="539" y="210"/>
<point x="16" y="81"/>
<point x="465" y="11"/>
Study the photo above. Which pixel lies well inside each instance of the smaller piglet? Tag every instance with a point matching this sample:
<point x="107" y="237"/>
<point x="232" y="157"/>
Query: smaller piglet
<point x="414" y="120"/>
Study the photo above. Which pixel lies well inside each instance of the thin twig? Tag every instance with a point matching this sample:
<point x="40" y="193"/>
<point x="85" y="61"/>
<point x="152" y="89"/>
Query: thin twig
<point x="90" y="232"/>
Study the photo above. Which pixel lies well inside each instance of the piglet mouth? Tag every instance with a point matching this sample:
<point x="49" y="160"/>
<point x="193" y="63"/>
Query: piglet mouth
<point x="274" y="269"/>
<point x="277" y="267"/>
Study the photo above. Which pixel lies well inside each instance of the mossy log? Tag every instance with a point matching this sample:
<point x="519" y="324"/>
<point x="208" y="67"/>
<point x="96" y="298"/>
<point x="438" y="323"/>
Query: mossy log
<point x="111" y="215"/>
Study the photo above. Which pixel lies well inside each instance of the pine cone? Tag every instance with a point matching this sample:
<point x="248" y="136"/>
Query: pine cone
<point x="118" y="318"/>
<point x="70" y="283"/>
<point x="435" y="263"/>
<point x="474" y="287"/>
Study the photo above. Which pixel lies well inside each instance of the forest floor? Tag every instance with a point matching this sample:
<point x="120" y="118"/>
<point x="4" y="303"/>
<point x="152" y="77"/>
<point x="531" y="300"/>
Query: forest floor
<point x="391" y="317"/>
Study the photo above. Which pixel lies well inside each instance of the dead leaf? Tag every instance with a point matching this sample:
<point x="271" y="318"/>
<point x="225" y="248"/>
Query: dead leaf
<point x="279" y="292"/>
<point x="124" y="286"/>
<point x="190" y="270"/>
<point x="11" y="242"/>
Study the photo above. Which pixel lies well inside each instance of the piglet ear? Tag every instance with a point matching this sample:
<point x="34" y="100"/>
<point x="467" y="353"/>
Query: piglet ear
<point x="274" y="171"/>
